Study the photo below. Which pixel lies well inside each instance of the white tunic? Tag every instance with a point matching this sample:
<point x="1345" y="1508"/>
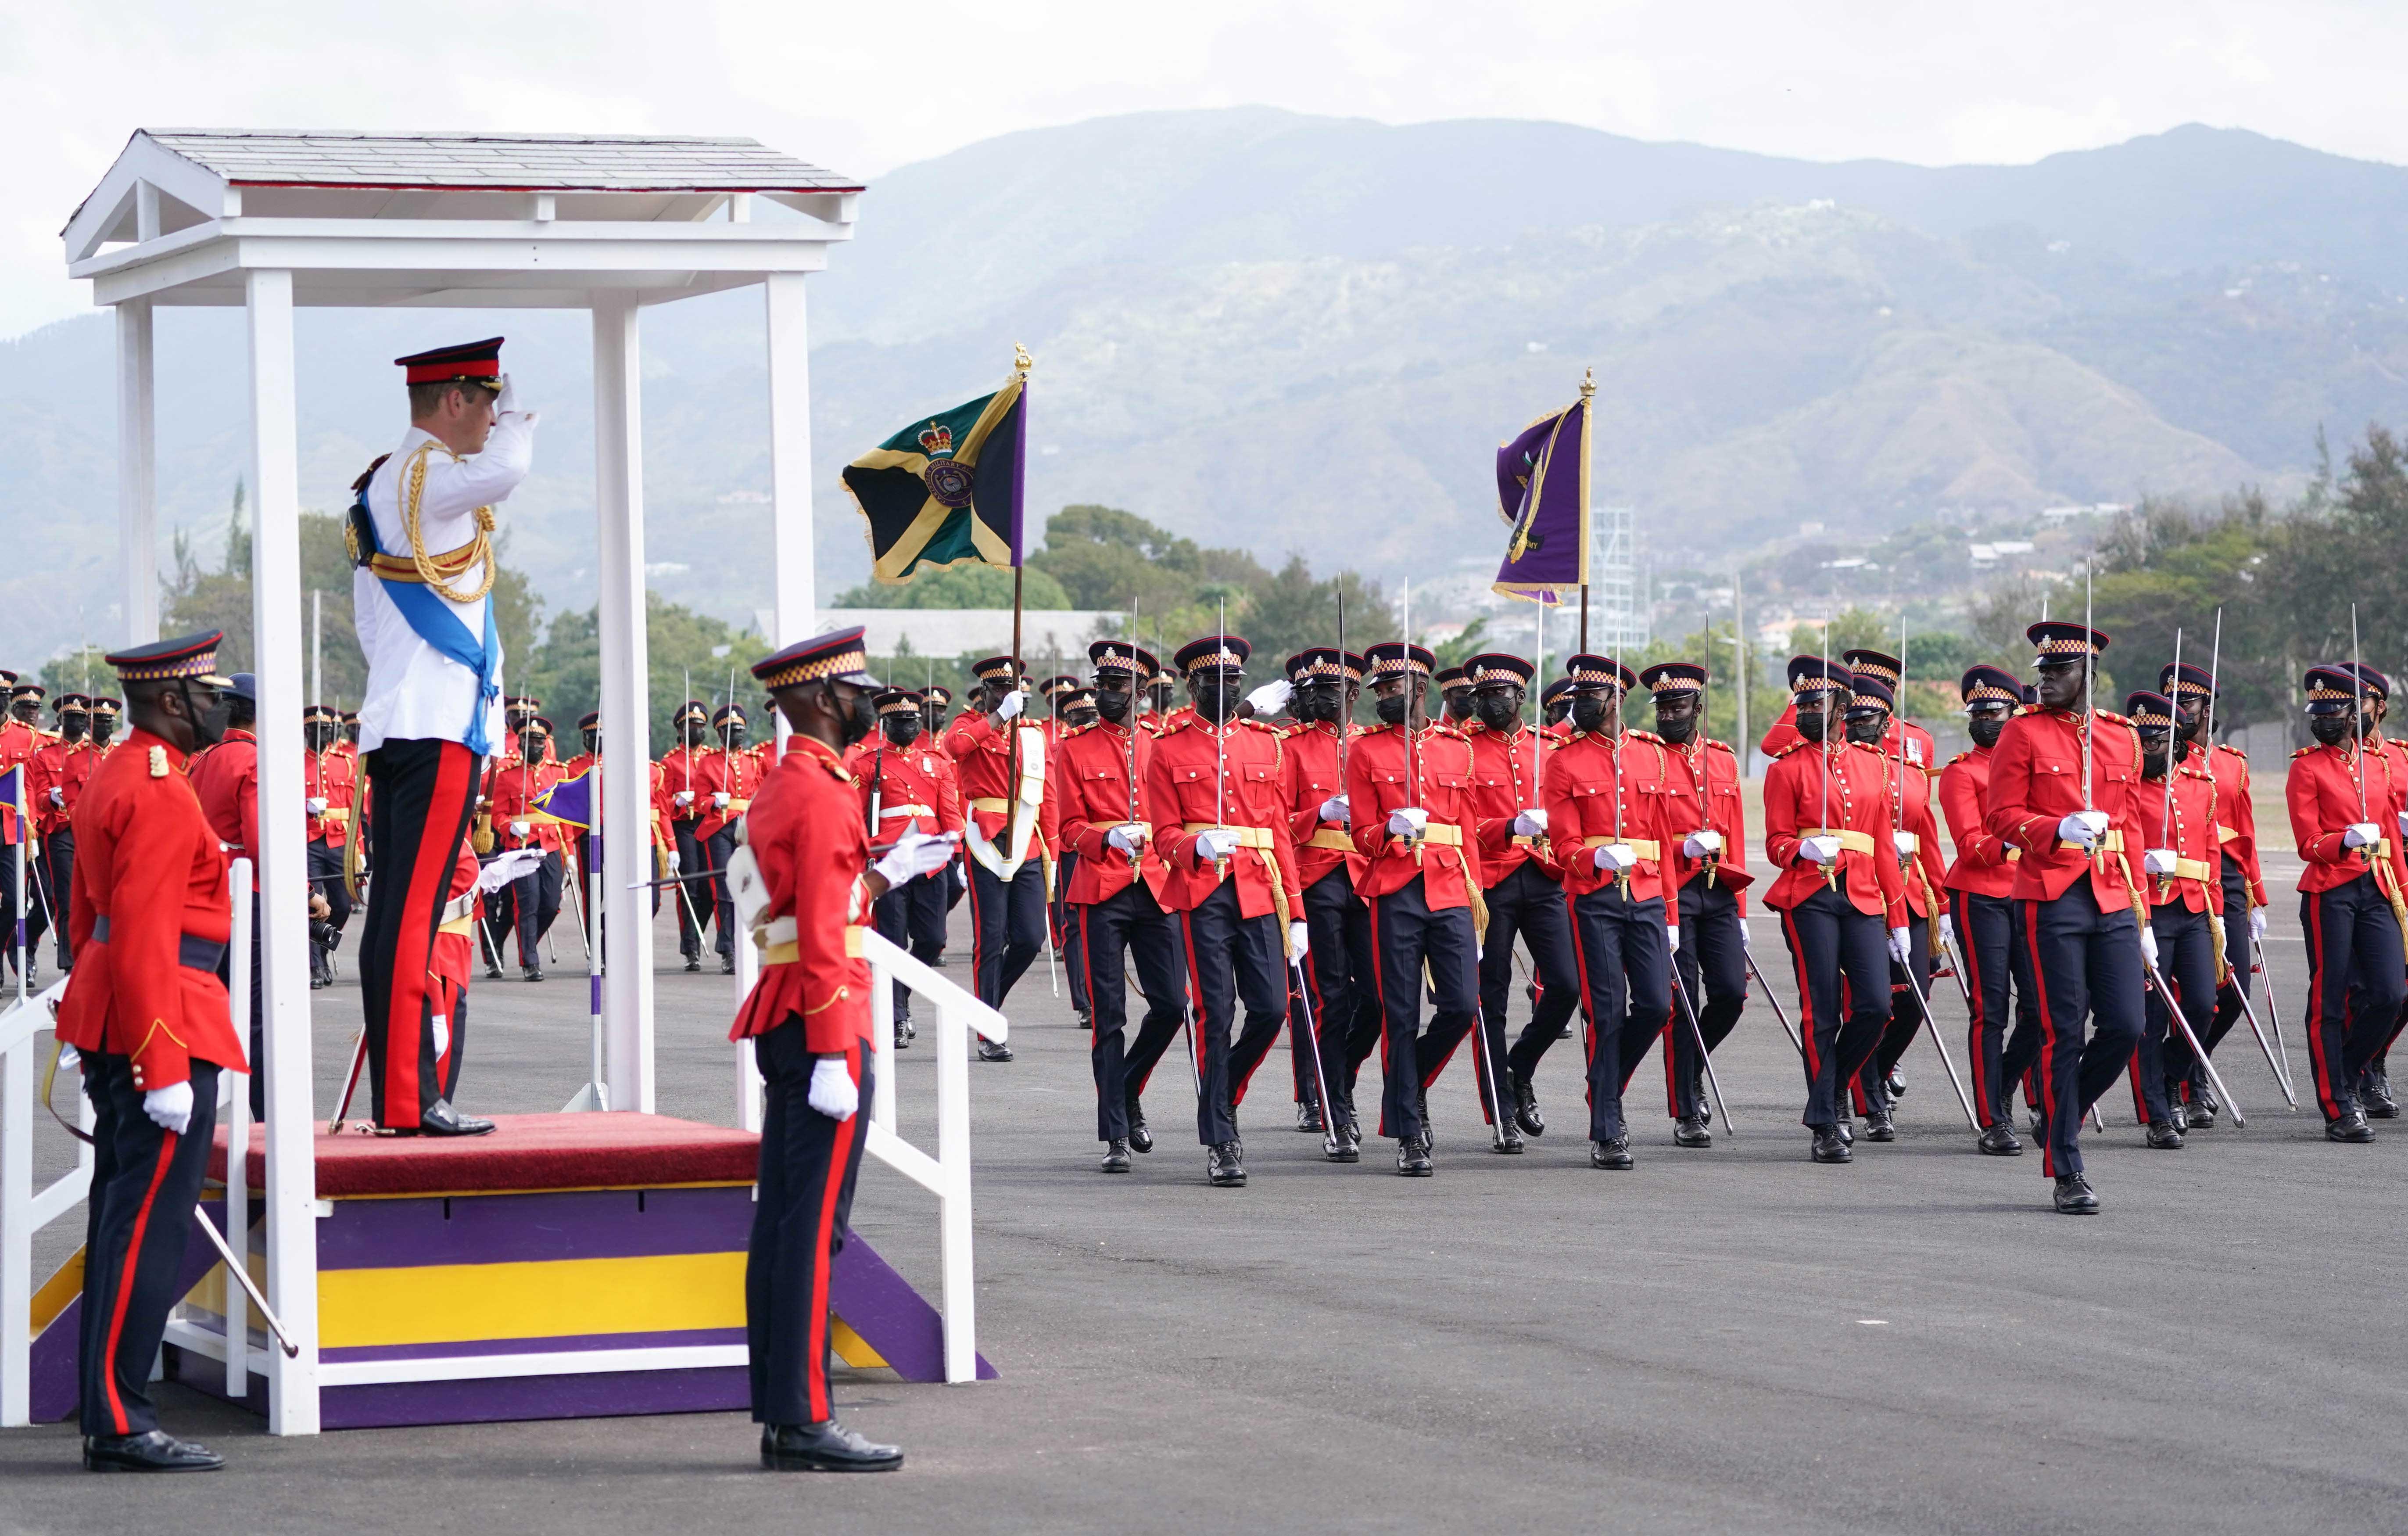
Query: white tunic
<point x="415" y="692"/>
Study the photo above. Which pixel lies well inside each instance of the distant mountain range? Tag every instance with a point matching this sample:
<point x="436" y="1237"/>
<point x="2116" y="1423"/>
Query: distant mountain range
<point x="1308" y="334"/>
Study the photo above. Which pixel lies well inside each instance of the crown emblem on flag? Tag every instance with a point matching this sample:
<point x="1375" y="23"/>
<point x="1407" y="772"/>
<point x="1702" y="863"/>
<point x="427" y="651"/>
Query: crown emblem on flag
<point x="936" y="438"/>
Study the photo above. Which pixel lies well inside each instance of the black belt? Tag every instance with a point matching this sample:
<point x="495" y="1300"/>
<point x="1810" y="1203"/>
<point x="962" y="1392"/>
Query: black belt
<point x="192" y="952"/>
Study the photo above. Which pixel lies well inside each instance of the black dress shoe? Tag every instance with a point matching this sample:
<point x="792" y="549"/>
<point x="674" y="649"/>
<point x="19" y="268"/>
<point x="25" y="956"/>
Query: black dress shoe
<point x="993" y="1050"/>
<point x="902" y="1040"/>
<point x="1829" y="1148"/>
<point x="1421" y="1109"/>
<point x="2374" y="1095"/>
<point x="2164" y="1136"/>
<point x="530" y="973"/>
<point x="1353" y="1129"/>
<point x="1614" y="1153"/>
<point x="1507" y="1139"/>
<point x="1413" y="1157"/>
<point x="1879" y="1127"/>
<point x="493" y="973"/>
<point x="692" y="963"/>
<point x="2074" y="1196"/>
<point x="1691" y="1133"/>
<point x="1338" y="1147"/>
<point x="441" y="1119"/>
<point x="824" y="1447"/>
<point x="153" y="1450"/>
<point x="1526" y="1105"/>
<point x="1999" y="1141"/>
<point x="1895" y="1082"/>
<point x="1847" y="1132"/>
<point x="1308" y="1117"/>
<point x="1139" y="1138"/>
<point x="2196" y="1116"/>
<point x="1224" y="1166"/>
<point x="1705" y="1105"/>
<point x="2350" y="1126"/>
<point x="1116" y="1156"/>
<point x="727" y="964"/>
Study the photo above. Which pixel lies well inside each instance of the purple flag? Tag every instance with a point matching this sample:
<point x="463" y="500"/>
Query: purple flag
<point x="1543" y="493"/>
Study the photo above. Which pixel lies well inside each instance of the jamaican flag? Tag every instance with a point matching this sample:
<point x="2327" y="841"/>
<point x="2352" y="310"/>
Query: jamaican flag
<point x="946" y="490"/>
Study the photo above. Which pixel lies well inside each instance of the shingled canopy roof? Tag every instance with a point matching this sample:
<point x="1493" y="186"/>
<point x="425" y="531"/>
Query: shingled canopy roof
<point x="496" y="161"/>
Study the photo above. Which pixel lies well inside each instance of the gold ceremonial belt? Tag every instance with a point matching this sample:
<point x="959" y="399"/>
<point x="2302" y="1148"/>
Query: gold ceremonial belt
<point x="336" y="814"/>
<point x="1247" y="837"/>
<point x="777" y="941"/>
<point x="1644" y="848"/>
<point x="2192" y="869"/>
<point x="1850" y="841"/>
<point x="2112" y="844"/>
<point x="1521" y="842"/>
<point x="737" y="807"/>
<point x="450" y="563"/>
<point x="2226" y="834"/>
<point x="994" y="806"/>
<point x="1332" y="839"/>
<point x="900" y="811"/>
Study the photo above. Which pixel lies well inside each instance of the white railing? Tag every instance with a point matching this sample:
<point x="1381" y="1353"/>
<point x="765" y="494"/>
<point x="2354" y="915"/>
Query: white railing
<point x="23" y="1212"/>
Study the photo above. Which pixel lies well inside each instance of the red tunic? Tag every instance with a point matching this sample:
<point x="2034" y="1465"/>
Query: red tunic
<point x="1188" y="785"/>
<point x="1985" y="864"/>
<point x="226" y="778"/>
<point x="1795" y="805"/>
<point x="1923" y="873"/>
<point x="2236" y="815"/>
<point x="1589" y="804"/>
<point x="2192" y="837"/>
<point x="1920" y="748"/>
<point x="1505" y="783"/>
<point x="1703" y="791"/>
<point x="513" y="790"/>
<point x="2036" y="783"/>
<point x="805" y="834"/>
<point x="335" y="778"/>
<point x="679" y="773"/>
<point x="914" y="783"/>
<point x="2322" y="793"/>
<point x="1309" y="780"/>
<point x="1091" y="773"/>
<point x="982" y="765"/>
<point x="718" y="771"/>
<point x="1385" y="773"/>
<point x="147" y="862"/>
<point x="65" y="769"/>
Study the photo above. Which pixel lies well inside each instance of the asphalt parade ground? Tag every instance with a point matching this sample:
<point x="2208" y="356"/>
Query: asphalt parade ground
<point x="1731" y="1339"/>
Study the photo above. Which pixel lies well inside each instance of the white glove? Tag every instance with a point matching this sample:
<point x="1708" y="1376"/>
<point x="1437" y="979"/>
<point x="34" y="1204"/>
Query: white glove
<point x="442" y="1033"/>
<point x="2257" y="923"/>
<point x="1299" y="938"/>
<point x="70" y="1058"/>
<point x="719" y="801"/>
<point x="317" y="803"/>
<point x="2157" y="861"/>
<point x="1614" y="857"/>
<point x="59" y="798"/>
<point x="1215" y="843"/>
<point x="1129" y="837"/>
<point x="1411" y="821"/>
<point x="683" y="797"/>
<point x="520" y="830"/>
<point x="1900" y="946"/>
<point x="1703" y="843"/>
<point x="2149" y="943"/>
<point x="913" y="854"/>
<point x="2360" y="834"/>
<point x="1335" y="810"/>
<point x="1672" y="937"/>
<point x="508" y="402"/>
<point x="675" y="859"/>
<point x="1012" y="704"/>
<point x="1272" y="697"/>
<point x="507" y="867"/>
<point x="1948" y="933"/>
<point x="1822" y="850"/>
<point x="833" y="1092"/>
<point x="170" y="1108"/>
<point x="1746" y="941"/>
<point x="2087" y="827"/>
<point x="1905" y="842"/>
<point x="2403" y="816"/>
<point x="1530" y="823"/>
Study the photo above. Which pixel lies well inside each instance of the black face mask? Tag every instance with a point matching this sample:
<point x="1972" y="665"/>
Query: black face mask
<point x="1810" y="726"/>
<point x="1588" y="716"/>
<point x="1114" y="704"/>
<point x="1391" y="710"/>
<point x="736" y="734"/>
<point x="1460" y="704"/>
<point x="1676" y="729"/>
<point x="1867" y="729"/>
<point x="1985" y="729"/>
<point x="1216" y="697"/>
<point x="859" y="721"/>
<point x="592" y="743"/>
<point x="210" y="727"/>
<point x="2153" y="754"/>
<point x="71" y="727"/>
<point x="2330" y="729"/>
<point x="102" y="730"/>
<point x="901" y="729"/>
<point x="1497" y="711"/>
<point x="531" y="746"/>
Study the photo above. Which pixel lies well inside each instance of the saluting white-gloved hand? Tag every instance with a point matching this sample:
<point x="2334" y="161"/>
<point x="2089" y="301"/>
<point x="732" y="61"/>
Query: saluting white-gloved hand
<point x="1299" y="938"/>
<point x="1129" y="837"/>
<point x="1011" y="704"/>
<point x="1272" y="697"/>
<point x="1531" y="823"/>
<point x="2149" y="943"/>
<point x="1900" y="945"/>
<point x="170" y="1108"/>
<point x="914" y="854"/>
<point x="2360" y="834"/>
<point x="1214" y="844"/>
<point x="1703" y="843"/>
<point x="1614" y="857"/>
<point x="2257" y="923"/>
<point x="1410" y="821"/>
<point x="2157" y="861"/>
<point x="1822" y="850"/>
<point x="2087" y="827"/>
<point x="833" y="1091"/>
<point x="1335" y="810"/>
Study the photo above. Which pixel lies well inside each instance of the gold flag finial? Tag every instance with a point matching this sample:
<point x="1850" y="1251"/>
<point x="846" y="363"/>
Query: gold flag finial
<point x="1588" y="384"/>
<point x="1021" y="361"/>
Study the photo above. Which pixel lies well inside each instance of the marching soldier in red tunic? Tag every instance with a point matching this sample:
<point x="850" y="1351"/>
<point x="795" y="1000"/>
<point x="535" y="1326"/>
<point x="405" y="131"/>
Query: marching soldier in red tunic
<point x="906" y="785"/>
<point x="56" y="776"/>
<point x="530" y="904"/>
<point x="723" y="782"/>
<point x="2343" y="805"/>
<point x="1339" y="963"/>
<point x="330" y="784"/>
<point x="1988" y="924"/>
<point x="1005" y="786"/>
<point x="1913" y="836"/>
<point x="1114" y="896"/>
<point x="804" y="886"/>
<point x="1827" y="829"/>
<point x="2194" y="690"/>
<point x="147" y="1016"/>
<point x="1221" y="829"/>
<point x="679" y="799"/>
<point x="2178" y="877"/>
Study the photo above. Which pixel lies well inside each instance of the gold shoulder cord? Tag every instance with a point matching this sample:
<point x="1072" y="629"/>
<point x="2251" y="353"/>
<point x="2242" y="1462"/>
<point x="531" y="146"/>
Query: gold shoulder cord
<point x="479" y="549"/>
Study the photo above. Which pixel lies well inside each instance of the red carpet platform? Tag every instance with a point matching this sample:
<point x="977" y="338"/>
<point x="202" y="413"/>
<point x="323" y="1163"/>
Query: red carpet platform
<point x="525" y="1152"/>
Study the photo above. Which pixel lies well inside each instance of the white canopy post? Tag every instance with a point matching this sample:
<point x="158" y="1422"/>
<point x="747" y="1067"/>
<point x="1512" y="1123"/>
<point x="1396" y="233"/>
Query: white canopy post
<point x="790" y="455"/>
<point x="626" y="706"/>
<point x="282" y="854"/>
<point x="137" y="484"/>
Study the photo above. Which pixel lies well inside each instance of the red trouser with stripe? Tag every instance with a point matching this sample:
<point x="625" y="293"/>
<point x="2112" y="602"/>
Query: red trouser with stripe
<point x="423" y="792"/>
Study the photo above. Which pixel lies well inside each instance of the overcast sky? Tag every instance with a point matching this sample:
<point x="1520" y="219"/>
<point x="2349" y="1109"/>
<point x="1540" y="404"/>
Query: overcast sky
<point x="864" y="86"/>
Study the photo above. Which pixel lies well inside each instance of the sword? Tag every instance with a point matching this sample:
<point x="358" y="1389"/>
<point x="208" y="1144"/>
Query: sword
<point x="1331" y="1138"/>
<point x="2280" y="1081"/>
<point x="1774" y="999"/>
<point x="2273" y="1014"/>
<point x="350" y="1083"/>
<point x="1705" y="1056"/>
<point x="2166" y="996"/>
<point x="242" y="1274"/>
<point x="1914" y="983"/>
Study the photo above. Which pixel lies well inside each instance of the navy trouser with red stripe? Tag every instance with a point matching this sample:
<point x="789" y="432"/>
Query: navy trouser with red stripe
<point x="1006" y="927"/>
<point x="2355" y="984"/>
<point x="2236" y="986"/>
<point x="1830" y="942"/>
<point x="2086" y="965"/>
<point x="1065" y="932"/>
<point x="1408" y="937"/>
<point x="1906" y="1015"/>
<point x="800" y="1216"/>
<point x="913" y="915"/>
<point x="1988" y="932"/>
<point x="1529" y="906"/>
<point x="1626" y="977"/>
<point x="1712" y="965"/>
<point x="2187" y="959"/>
<point x="424" y="791"/>
<point x="1231" y="959"/>
<point x="1345" y="995"/>
<point x="144" y="1181"/>
<point x="1127" y="923"/>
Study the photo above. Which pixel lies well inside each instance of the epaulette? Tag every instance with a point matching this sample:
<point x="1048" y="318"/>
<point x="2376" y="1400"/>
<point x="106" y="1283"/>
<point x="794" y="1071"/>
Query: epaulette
<point x="1638" y="734"/>
<point x="1068" y="731"/>
<point x="1788" y="747"/>
<point x="2028" y="709"/>
<point x="1958" y="758"/>
<point x="158" y="761"/>
<point x="2112" y="717"/>
<point x="1725" y="746"/>
<point x="2226" y="746"/>
<point x="2302" y="752"/>
<point x="1261" y="726"/>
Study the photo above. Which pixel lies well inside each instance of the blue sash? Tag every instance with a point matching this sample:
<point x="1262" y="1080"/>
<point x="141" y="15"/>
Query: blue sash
<point x="432" y="620"/>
